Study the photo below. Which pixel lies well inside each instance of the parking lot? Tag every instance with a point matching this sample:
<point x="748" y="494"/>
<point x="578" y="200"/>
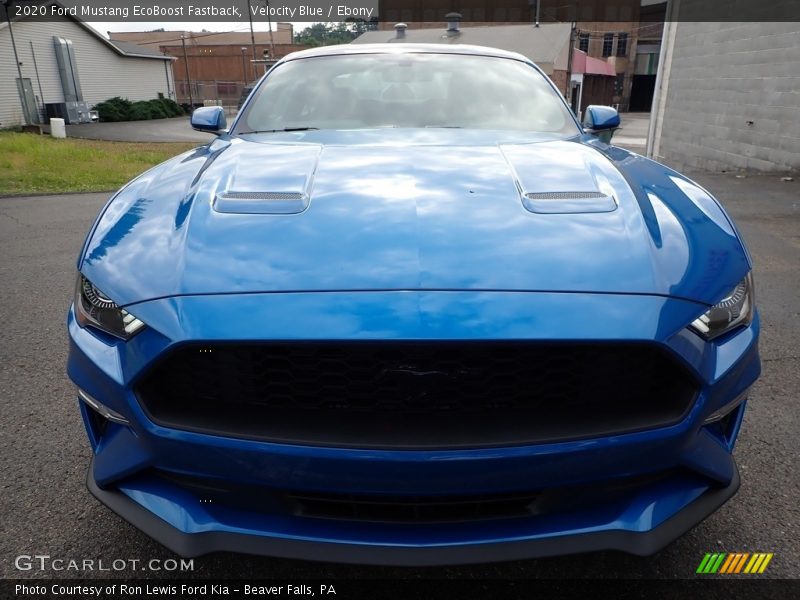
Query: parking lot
<point x="46" y="509"/>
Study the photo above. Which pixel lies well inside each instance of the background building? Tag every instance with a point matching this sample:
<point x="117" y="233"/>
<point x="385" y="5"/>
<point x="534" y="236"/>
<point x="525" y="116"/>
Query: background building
<point x="219" y="63"/>
<point x="547" y="45"/>
<point x="593" y="82"/>
<point x="611" y="31"/>
<point x="30" y="76"/>
<point x="284" y="34"/>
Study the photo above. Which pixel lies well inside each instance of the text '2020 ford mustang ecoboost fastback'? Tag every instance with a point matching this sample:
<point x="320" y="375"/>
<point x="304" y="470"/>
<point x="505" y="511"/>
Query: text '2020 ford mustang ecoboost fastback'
<point x="408" y="310"/>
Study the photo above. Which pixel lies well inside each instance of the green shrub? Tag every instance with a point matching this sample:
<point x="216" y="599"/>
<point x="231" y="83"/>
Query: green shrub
<point x="172" y="108"/>
<point x="114" y="109"/>
<point x="157" y="110"/>
<point x="141" y="110"/>
<point x="121" y="109"/>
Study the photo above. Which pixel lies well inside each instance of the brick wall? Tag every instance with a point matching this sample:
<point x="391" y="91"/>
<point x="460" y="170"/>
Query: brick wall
<point x="223" y="63"/>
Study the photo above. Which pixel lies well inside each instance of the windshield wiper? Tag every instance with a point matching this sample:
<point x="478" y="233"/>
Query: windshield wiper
<point x="280" y="130"/>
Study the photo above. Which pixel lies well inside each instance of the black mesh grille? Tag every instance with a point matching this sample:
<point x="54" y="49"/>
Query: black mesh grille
<point x="413" y="509"/>
<point x="261" y="196"/>
<point x="416" y="394"/>
<point x="392" y="508"/>
<point x="565" y="195"/>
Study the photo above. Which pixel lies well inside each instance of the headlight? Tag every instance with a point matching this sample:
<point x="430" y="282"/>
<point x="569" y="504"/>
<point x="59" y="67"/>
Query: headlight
<point x="729" y="313"/>
<point x="95" y="309"/>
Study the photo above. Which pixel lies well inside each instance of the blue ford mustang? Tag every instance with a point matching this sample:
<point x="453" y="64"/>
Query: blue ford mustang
<point x="408" y="310"/>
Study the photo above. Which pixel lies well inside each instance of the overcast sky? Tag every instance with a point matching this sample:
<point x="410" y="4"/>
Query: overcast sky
<point x="105" y="27"/>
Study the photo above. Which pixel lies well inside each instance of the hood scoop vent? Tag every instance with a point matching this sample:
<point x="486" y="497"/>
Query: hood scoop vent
<point x="261" y="203"/>
<point x="266" y="179"/>
<point x="568" y="202"/>
<point x="556" y="178"/>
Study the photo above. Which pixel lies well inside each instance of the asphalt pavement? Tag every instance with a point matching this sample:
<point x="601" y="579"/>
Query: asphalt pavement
<point x="176" y="129"/>
<point x="632" y="133"/>
<point x="633" y="130"/>
<point x="46" y="509"/>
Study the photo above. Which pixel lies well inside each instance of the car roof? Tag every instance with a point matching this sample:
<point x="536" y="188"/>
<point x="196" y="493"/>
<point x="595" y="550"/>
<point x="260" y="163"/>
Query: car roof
<point x="404" y="48"/>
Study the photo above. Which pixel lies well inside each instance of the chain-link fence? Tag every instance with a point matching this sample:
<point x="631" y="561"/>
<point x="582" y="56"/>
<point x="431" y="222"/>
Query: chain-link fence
<point x="210" y="93"/>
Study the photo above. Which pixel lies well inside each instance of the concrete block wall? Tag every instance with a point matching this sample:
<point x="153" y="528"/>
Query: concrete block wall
<point x="733" y="97"/>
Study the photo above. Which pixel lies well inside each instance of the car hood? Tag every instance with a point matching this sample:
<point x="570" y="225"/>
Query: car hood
<point x="300" y="213"/>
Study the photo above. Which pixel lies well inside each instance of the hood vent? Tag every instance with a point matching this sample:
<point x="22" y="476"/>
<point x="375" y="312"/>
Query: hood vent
<point x="264" y="203"/>
<point x="568" y="202"/>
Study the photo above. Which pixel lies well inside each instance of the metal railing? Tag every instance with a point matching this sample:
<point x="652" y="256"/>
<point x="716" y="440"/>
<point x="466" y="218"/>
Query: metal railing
<point x="209" y="93"/>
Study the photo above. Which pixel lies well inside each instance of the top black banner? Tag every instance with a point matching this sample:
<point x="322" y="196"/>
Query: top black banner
<point x="549" y="11"/>
<point x="472" y="12"/>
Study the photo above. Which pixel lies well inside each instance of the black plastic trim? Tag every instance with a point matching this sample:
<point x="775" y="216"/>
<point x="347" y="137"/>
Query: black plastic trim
<point x="198" y="544"/>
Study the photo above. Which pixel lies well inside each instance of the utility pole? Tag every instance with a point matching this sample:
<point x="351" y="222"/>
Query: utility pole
<point x="188" y="79"/>
<point x="271" y="39"/>
<point x="252" y="33"/>
<point x="244" y="64"/>
<point x="535" y="11"/>
<point x="572" y="29"/>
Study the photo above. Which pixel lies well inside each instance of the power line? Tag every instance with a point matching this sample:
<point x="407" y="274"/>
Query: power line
<point x="178" y="39"/>
<point x="599" y="32"/>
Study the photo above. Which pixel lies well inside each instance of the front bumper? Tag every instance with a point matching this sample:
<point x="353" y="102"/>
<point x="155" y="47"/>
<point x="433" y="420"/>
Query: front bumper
<point x="694" y="460"/>
<point x="642" y="543"/>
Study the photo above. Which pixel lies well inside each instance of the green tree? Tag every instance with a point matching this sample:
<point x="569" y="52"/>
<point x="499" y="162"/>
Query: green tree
<point x="328" y="34"/>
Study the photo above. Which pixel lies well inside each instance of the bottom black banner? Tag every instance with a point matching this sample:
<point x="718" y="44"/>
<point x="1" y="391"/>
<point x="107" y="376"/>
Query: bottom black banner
<point x="409" y="589"/>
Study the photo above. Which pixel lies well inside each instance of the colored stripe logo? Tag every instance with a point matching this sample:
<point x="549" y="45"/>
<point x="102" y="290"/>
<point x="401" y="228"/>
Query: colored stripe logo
<point x="734" y="563"/>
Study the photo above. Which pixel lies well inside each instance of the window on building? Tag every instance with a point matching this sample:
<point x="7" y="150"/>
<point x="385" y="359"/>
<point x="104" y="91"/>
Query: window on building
<point x="608" y="44"/>
<point x="228" y="88"/>
<point x="622" y="44"/>
<point x="583" y="42"/>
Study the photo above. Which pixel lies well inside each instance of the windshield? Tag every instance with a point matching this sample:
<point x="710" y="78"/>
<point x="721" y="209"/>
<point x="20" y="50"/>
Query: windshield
<point x="364" y="91"/>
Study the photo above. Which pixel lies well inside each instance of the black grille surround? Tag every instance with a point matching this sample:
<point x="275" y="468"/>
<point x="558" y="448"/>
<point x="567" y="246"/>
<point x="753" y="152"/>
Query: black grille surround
<point x="416" y="395"/>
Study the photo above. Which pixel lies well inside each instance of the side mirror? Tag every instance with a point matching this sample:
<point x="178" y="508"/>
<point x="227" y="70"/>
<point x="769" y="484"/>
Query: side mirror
<point x="210" y="119"/>
<point x="602" y="120"/>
